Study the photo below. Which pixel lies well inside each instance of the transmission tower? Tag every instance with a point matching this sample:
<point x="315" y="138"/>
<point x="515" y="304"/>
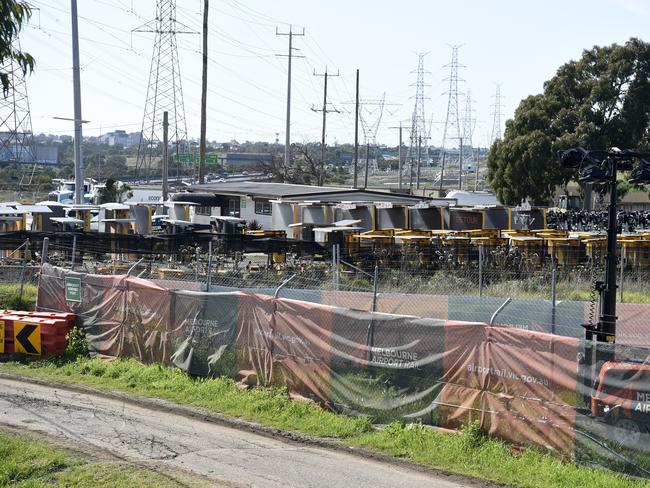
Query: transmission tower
<point x="164" y="93"/>
<point x="452" y="130"/>
<point x="370" y="127"/>
<point x="496" y="114"/>
<point x="468" y="121"/>
<point x="419" y="130"/>
<point x="468" y="131"/>
<point x="16" y="136"/>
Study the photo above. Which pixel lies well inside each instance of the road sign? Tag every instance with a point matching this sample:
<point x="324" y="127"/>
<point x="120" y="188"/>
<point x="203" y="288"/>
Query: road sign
<point x="212" y="158"/>
<point x="2" y="336"/>
<point x="185" y="158"/>
<point x="72" y="289"/>
<point x="27" y="338"/>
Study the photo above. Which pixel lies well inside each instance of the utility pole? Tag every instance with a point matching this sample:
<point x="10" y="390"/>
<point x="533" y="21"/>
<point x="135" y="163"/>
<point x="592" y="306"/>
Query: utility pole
<point x="325" y="75"/>
<point x="356" y="135"/>
<point x="442" y="169"/>
<point x="76" y="80"/>
<point x="478" y="163"/>
<point x="365" y="180"/>
<point x="204" y="93"/>
<point x="287" y="143"/>
<point x="417" y="180"/>
<point x="399" y="156"/>
<point x="165" y="161"/>
<point x="460" y="164"/>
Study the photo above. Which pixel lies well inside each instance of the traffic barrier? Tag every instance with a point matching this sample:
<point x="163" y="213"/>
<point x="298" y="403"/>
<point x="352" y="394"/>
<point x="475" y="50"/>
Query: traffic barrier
<point x="41" y="334"/>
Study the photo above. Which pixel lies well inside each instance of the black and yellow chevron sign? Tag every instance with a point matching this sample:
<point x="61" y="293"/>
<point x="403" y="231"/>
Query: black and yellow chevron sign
<point x="27" y="338"/>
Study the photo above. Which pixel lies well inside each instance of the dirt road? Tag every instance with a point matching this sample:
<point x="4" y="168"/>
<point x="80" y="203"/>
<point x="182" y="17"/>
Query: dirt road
<point x="223" y="454"/>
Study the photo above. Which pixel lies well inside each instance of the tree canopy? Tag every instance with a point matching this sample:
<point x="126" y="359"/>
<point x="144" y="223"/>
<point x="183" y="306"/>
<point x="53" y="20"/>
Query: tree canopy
<point x="13" y="15"/>
<point x="600" y="101"/>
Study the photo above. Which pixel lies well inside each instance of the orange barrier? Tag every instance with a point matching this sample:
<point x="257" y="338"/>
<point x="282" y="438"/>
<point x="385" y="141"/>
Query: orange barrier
<point x="35" y="333"/>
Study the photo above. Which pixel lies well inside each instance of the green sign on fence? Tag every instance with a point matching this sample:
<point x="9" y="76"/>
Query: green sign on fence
<point x="72" y="289"/>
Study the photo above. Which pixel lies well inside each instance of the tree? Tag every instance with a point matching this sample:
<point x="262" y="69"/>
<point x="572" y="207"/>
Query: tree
<point x="599" y="101"/>
<point x="114" y="191"/>
<point x="13" y="15"/>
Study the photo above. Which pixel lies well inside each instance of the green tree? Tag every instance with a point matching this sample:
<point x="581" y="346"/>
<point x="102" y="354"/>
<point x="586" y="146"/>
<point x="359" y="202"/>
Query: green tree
<point x="601" y="100"/>
<point x="13" y="15"/>
<point x="114" y="191"/>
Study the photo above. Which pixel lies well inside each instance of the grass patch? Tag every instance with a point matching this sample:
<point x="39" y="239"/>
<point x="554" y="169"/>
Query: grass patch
<point x="470" y="452"/>
<point x="26" y="462"/>
<point x="10" y="296"/>
<point x="269" y="406"/>
<point x="473" y="453"/>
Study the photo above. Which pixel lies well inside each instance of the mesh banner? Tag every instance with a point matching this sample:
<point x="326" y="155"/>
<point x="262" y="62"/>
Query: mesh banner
<point x="580" y="400"/>
<point x="520" y="385"/>
<point x="203" y="332"/>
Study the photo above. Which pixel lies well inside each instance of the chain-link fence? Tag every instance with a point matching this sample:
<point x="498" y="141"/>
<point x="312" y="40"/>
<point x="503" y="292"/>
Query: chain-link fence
<point x="521" y="285"/>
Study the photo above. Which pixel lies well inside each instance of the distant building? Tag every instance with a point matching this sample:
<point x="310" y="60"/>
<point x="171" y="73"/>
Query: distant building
<point x="344" y="157"/>
<point x="246" y="160"/>
<point x="121" y="138"/>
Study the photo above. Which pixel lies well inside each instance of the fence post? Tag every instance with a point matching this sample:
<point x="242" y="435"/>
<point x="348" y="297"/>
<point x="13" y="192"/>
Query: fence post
<point x="553" y="256"/>
<point x="198" y="257"/>
<point x="370" y="337"/>
<point x="480" y="270"/>
<point x="620" y="284"/>
<point x="46" y="245"/>
<point x="553" y="298"/>
<point x="375" y="284"/>
<point x="74" y="251"/>
<point x="338" y="266"/>
<point x="498" y="310"/>
<point x="209" y="277"/>
<point x="22" y="271"/>
<point x="334" y="266"/>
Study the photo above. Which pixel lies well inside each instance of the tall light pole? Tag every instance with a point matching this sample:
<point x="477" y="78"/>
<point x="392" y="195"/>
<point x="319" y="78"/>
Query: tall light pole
<point x="603" y="167"/>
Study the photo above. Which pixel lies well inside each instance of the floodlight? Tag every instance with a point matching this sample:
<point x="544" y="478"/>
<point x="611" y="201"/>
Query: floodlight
<point x="593" y="173"/>
<point x="641" y="174"/>
<point x="572" y="158"/>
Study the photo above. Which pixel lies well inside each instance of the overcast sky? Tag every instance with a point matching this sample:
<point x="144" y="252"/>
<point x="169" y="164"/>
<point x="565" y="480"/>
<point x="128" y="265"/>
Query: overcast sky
<point x="517" y="43"/>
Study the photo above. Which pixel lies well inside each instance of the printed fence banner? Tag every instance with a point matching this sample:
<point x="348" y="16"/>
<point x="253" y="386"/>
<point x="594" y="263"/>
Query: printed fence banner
<point x="203" y="332"/>
<point x="588" y="401"/>
<point x="520" y="385"/>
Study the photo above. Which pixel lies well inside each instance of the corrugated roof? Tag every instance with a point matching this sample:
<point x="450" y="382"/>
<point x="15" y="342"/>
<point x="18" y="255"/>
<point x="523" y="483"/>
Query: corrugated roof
<point x="262" y="189"/>
<point x="359" y="196"/>
<point x="292" y="192"/>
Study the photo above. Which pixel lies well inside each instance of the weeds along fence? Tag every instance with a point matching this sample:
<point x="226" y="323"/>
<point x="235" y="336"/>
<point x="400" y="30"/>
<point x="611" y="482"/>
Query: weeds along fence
<point x="529" y="387"/>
